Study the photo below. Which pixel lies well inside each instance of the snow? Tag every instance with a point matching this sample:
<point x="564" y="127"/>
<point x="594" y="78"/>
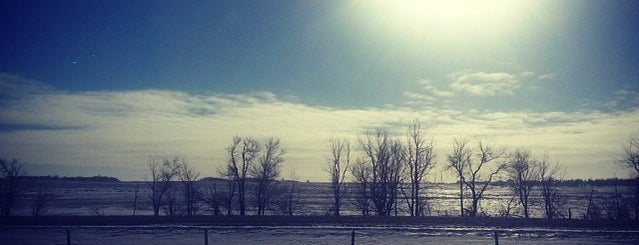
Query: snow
<point x="306" y="235"/>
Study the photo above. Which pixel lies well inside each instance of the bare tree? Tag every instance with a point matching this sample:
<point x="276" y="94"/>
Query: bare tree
<point x="42" y="198"/>
<point x="171" y="203"/>
<point x="10" y="184"/>
<point x="398" y="160"/>
<point x="266" y="173"/>
<point x="290" y="199"/>
<point x="458" y="161"/>
<point x="549" y="177"/>
<point x="242" y="154"/>
<point x="630" y="159"/>
<point x="470" y="165"/>
<point x="420" y="160"/>
<point x="593" y="210"/>
<point x="630" y="156"/>
<point x="215" y="200"/>
<point x="231" y="187"/>
<point x="523" y="170"/>
<point x="188" y="178"/>
<point x="362" y="174"/>
<point x="616" y="206"/>
<point x="506" y="210"/>
<point x="379" y="174"/>
<point x="136" y="192"/>
<point x="162" y="173"/>
<point x="634" y="188"/>
<point x="338" y="164"/>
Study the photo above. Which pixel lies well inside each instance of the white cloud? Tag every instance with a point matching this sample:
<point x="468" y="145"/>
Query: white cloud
<point x="620" y="99"/>
<point x="414" y="96"/>
<point x="627" y="96"/>
<point x="429" y="94"/>
<point x="120" y="129"/>
<point x="12" y="86"/>
<point x="430" y="89"/>
<point x="526" y="74"/>
<point x="485" y="84"/>
<point x="473" y="83"/>
<point x="546" y="76"/>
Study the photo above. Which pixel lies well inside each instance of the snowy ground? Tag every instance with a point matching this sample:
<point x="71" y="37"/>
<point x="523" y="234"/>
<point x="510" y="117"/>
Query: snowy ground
<point x="307" y="235"/>
<point x="106" y="198"/>
<point x="117" y="198"/>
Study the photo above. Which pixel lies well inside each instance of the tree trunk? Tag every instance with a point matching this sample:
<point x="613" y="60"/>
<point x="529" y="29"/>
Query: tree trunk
<point x="461" y="197"/>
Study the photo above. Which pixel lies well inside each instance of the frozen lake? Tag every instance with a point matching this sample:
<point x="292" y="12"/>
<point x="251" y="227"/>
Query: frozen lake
<point x="117" y="198"/>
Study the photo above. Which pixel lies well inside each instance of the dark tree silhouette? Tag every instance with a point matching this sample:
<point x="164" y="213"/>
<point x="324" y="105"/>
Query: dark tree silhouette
<point x="170" y="203"/>
<point x="549" y="179"/>
<point x="162" y="173"/>
<point x="420" y="160"/>
<point x="361" y="174"/>
<point x="136" y="192"/>
<point x="379" y="173"/>
<point x="337" y="165"/>
<point x="188" y="177"/>
<point x="523" y="171"/>
<point x="289" y="200"/>
<point x="10" y="184"/>
<point x="630" y="156"/>
<point x="43" y="195"/>
<point x="214" y="199"/>
<point x="470" y="165"/>
<point x="231" y="189"/>
<point x="266" y="174"/>
<point x="457" y="161"/>
<point x="242" y="154"/>
<point x="630" y="159"/>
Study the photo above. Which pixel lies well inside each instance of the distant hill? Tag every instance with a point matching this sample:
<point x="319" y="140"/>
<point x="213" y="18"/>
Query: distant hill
<point x="77" y="178"/>
<point x="587" y="182"/>
<point x="216" y="179"/>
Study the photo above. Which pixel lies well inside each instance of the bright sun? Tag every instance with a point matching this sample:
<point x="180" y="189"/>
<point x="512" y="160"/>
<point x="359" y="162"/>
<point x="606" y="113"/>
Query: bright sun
<point x="449" y="16"/>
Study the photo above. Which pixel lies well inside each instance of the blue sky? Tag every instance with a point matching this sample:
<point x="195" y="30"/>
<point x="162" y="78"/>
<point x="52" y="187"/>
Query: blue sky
<point x="95" y="87"/>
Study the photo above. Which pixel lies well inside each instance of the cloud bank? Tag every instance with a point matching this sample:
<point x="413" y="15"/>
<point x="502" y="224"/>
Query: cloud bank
<point x="114" y="132"/>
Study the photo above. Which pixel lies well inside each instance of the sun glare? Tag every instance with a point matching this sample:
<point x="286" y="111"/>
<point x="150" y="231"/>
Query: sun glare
<point x="449" y="16"/>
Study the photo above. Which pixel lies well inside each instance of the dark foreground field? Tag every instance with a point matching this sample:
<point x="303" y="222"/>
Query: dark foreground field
<point x="301" y="230"/>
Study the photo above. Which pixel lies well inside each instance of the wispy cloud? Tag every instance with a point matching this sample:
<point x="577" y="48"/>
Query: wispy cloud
<point x="485" y="84"/>
<point x="120" y="129"/>
<point x="430" y="87"/>
<point x="546" y="76"/>
<point x="620" y="99"/>
<point x="473" y="83"/>
<point x="627" y="95"/>
<point x="12" y="86"/>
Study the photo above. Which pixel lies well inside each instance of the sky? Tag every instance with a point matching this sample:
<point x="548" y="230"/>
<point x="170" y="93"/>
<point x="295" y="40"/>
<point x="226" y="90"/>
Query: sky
<point x="97" y="87"/>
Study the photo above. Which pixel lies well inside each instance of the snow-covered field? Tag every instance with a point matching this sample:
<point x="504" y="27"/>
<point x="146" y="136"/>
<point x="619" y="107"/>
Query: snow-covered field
<point x="307" y="235"/>
<point x="117" y="198"/>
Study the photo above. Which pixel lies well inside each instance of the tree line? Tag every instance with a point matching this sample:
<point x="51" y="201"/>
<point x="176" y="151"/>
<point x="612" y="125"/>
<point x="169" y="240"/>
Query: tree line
<point x="390" y="171"/>
<point x="381" y="174"/>
<point x="253" y="168"/>
<point x="385" y="175"/>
